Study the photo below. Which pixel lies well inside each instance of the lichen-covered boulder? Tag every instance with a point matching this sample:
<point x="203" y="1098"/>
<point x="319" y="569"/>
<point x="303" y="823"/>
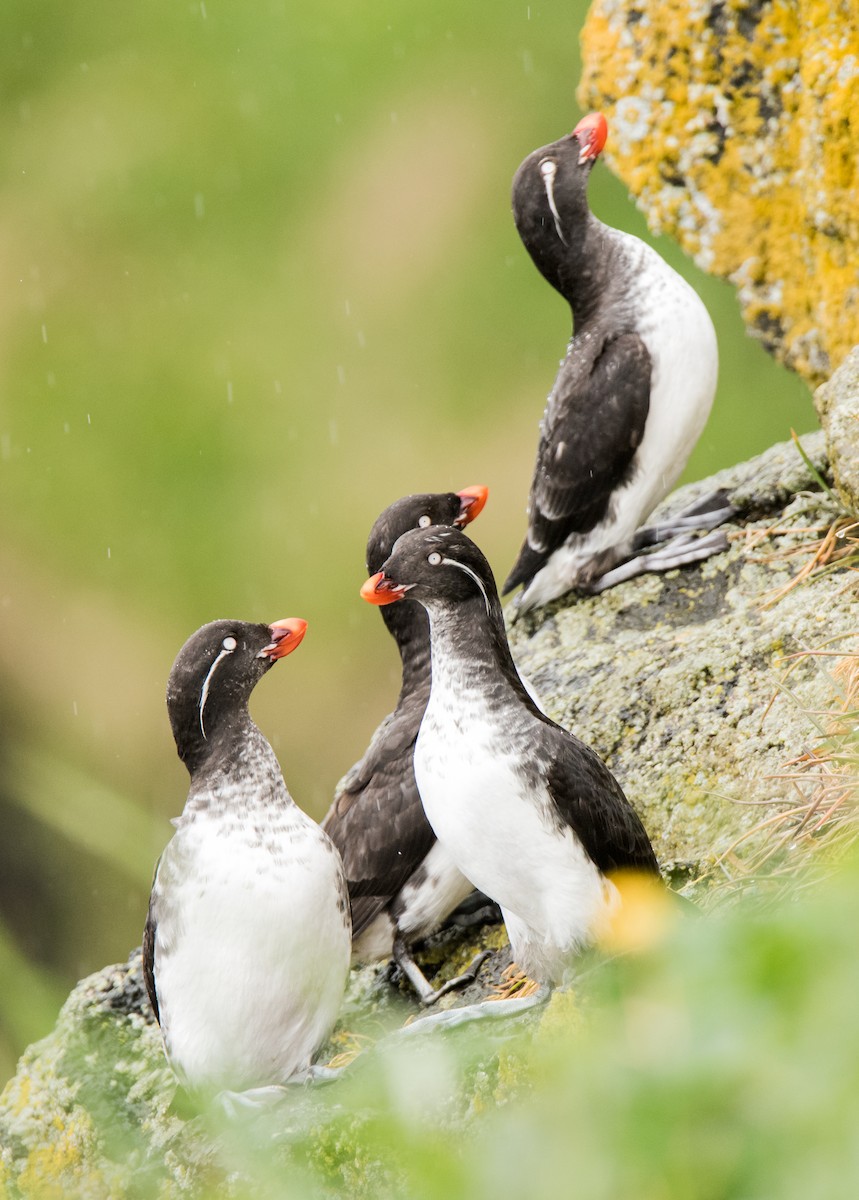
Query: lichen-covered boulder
<point x="837" y="402"/>
<point x="735" y="124"/>
<point x="677" y="679"/>
<point x="674" y="679"/>
<point x="88" y="1108"/>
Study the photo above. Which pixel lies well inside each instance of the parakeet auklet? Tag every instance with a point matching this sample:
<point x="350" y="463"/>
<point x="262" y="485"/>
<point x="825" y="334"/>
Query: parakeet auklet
<point x="246" y="946"/>
<point x="630" y="399"/>
<point x="403" y="884"/>
<point x="530" y="814"/>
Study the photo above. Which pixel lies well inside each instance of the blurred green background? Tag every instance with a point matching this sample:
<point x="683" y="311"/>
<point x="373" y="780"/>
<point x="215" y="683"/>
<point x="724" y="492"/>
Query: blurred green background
<point x="260" y="279"/>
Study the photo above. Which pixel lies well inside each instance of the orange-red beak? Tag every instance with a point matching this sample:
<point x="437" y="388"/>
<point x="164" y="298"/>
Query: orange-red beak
<point x="286" y="636"/>
<point x="472" y="500"/>
<point x="591" y="132"/>
<point x="380" y="590"/>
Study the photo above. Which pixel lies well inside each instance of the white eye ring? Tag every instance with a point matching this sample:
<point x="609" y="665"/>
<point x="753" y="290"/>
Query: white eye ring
<point x="229" y="644"/>
<point x="424" y="521"/>
<point x="434" y="559"/>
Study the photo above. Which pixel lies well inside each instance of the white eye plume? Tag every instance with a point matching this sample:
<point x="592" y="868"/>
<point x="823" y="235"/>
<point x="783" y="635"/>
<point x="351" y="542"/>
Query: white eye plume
<point x="228" y="646"/>
<point x="434" y="559"/>
<point x="424" y="522"/>
<point x="451" y="562"/>
<point x="549" y="169"/>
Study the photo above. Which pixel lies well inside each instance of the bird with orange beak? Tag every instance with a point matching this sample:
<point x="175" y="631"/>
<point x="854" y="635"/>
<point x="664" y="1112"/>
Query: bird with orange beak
<point x="246" y="946"/>
<point x="630" y="399"/>
<point x="528" y="812"/>
<point x="402" y="883"/>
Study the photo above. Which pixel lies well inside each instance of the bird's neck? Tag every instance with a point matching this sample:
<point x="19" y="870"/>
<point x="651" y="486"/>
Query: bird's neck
<point x="409" y="626"/>
<point x="216" y="738"/>
<point x="579" y="270"/>
<point x="239" y="776"/>
<point x="469" y="644"/>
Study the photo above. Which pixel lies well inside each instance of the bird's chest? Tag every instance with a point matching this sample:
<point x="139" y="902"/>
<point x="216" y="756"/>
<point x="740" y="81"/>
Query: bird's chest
<point x="477" y="791"/>
<point x="226" y="882"/>
<point x="460" y="762"/>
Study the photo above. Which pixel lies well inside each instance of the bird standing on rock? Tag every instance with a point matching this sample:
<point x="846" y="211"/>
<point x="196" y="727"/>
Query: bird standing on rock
<point x="530" y="814"/>
<point x="402" y="883"/>
<point x="630" y="399"/>
<point x="246" y="946"/>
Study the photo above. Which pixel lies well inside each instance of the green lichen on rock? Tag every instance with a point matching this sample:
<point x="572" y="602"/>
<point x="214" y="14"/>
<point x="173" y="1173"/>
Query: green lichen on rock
<point x="736" y="124"/>
<point x="674" y="680"/>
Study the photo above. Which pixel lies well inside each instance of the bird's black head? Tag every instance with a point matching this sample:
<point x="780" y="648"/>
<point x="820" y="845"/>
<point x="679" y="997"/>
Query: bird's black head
<point x="419" y="512"/>
<point x="434" y="564"/>
<point x="550" y="195"/>
<point x="214" y="674"/>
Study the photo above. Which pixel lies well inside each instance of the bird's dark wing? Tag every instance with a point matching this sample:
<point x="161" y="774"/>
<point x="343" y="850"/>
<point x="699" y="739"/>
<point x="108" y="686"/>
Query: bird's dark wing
<point x="588" y="798"/>
<point x="149" y="960"/>
<point x="394" y="738"/>
<point x="377" y="820"/>
<point x="592" y="427"/>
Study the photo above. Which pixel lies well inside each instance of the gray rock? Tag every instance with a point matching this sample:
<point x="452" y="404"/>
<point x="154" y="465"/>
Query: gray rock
<point x="837" y="404"/>
<point x="676" y="680"/>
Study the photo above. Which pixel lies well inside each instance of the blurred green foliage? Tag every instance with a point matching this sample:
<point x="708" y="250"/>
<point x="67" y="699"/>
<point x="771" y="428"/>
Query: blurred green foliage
<point x="260" y="279"/>
<point x="722" y="1064"/>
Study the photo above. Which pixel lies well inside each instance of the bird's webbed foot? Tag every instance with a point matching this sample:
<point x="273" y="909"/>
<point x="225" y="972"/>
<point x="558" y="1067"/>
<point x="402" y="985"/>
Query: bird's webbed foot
<point x="681" y="551"/>
<point x="260" y="1099"/>
<point x="707" y="513"/>
<point x="485" y="1010"/>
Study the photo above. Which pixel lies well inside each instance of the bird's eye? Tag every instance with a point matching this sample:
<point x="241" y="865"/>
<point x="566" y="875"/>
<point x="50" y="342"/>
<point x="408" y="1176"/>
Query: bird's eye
<point x="434" y="559"/>
<point x="547" y="166"/>
<point x="424" y="521"/>
<point x="229" y="643"/>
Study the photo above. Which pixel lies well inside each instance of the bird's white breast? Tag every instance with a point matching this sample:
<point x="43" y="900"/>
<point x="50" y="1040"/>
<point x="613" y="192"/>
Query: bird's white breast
<point x="252" y="947"/>
<point x="677" y="330"/>
<point x="425" y="900"/>
<point x="673" y="322"/>
<point x="500" y="827"/>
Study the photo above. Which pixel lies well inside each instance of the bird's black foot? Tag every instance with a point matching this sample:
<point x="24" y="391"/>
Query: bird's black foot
<point x="679" y="552"/>
<point x="427" y="993"/>
<point x="497" y="1010"/>
<point x="708" y="512"/>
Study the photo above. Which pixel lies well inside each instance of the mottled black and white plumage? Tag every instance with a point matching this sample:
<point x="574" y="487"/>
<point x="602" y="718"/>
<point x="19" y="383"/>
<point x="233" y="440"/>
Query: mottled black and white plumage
<point x="632" y="394"/>
<point x="403" y="885"/>
<point x="246" y="946"/>
<point x="527" y="811"/>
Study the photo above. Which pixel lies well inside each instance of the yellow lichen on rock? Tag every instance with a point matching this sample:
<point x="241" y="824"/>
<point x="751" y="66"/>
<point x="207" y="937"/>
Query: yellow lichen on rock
<point x="736" y="126"/>
<point x="62" y="1167"/>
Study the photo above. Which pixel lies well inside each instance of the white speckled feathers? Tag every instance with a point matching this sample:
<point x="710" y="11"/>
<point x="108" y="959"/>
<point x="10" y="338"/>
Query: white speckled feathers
<point x="246" y="945"/>
<point x="252" y="935"/>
